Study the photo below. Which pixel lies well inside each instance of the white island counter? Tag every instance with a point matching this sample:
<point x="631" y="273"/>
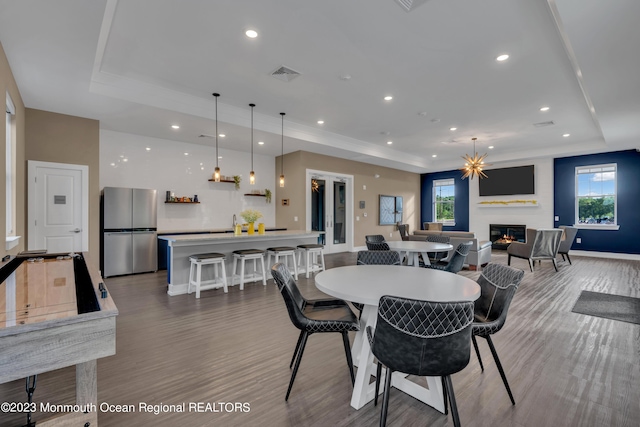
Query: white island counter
<point x="181" y="246"/>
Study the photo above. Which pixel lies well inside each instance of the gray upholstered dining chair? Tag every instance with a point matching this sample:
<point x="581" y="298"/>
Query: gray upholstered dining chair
<point x="498" y="284"/>
<point x="540" y="244"/>
<point x="456" y="262"/>
<point x="313" y="316"/>
<point x="403" y="229"/>
<point x="567" y="240"/>
<point x="437" y="256"/>
<point x="423" y="338"/>
<point x="376" y="242"/>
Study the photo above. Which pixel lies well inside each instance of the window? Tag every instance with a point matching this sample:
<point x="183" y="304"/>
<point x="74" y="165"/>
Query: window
<point x="10" y="167"/>
<point x="443" y="201"/>
<point x="390" y="210"/>
<point x="596" y="195"/>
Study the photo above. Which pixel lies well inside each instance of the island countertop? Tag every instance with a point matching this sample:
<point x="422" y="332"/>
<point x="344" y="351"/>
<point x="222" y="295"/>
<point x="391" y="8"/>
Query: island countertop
<point x="177" y="239"/>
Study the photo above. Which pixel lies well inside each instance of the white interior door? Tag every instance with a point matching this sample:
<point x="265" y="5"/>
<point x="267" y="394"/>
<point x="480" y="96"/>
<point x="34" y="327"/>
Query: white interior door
<point x="58" y="207"/>
<point x="330" y="209"/>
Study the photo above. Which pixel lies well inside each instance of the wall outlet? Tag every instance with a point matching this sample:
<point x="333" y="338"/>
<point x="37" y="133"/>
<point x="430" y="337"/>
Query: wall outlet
<point x="390" y="234"/>
<point x="357" y="218"/>
<point x="579" y="240"/>
<point x="364" y="214"/>
<point x="364" y="187"/>
<point x="295" y="218"/>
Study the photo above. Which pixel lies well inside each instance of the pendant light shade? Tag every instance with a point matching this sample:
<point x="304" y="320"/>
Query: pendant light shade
<point x="252" y="174"/>
<point x="473" y="165"/>
<point x="282" y="154"/>
<point x="216" y="173"/>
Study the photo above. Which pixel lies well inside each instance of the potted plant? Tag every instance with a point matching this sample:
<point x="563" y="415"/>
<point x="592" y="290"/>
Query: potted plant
<point x="250" y="216"/>
<point x="237" y="179"/>
<point x="267" y="195"/>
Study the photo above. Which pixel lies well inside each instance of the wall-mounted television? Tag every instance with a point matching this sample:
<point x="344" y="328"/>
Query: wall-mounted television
<point x="508" y="181"/>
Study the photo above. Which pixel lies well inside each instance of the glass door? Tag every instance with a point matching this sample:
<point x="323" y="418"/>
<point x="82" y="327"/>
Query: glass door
<point x="329" y="210"/>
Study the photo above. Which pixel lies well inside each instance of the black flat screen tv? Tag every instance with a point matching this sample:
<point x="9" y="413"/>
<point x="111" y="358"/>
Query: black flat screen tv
<point x="508" y="181"/>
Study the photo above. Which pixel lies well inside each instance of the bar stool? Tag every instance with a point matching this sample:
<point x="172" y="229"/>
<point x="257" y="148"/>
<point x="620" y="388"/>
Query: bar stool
<point x="197" y="261"/>
<point x="248" y="254"/>
<point x="311" y="253"/>
<point x="283" y="251"/>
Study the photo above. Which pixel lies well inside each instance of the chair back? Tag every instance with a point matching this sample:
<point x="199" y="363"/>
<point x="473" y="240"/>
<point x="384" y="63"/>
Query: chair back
<point x="498" y="284"/>
<point x="422" y="337"/>
<point x="377" y="238"/>
<point x="459" y="256"/>
<point x="404" y="231"/>
<point x="293" y="299"/>
<point x="378" y="246"/>
<point x="435" y="238"/>
<point x="378" y="258"/>
<point x="569" y="237"/>
<point x="437" y="226"/>
<point x="546" y="243"/>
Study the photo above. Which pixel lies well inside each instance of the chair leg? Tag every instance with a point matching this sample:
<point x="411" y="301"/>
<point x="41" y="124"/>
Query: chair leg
<point x="385" y="398"/>
<point x="452" y="401"/>
<point x="297" y="365"/>
<point x="531" y="264"/>
<point x="444" y="395"/>
<point x="378" y="374"/>
<point x="555" y="264"/>
<point x="563" y="258"/>
<point x="347" y="351"/>
<point x="475" y="345"/>
<point x="509" y="260"/>
<point x="295" y="352"/>
<point x="568" y="258"/>
<point x="499" y="365"/>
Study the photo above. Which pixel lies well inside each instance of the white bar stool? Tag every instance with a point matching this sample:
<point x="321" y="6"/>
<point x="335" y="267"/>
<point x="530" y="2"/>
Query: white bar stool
<point x="283" y="251"/>
<point x="248" y="254"/>
<point x="311" y="254"/>
<point x="219" y="280"/>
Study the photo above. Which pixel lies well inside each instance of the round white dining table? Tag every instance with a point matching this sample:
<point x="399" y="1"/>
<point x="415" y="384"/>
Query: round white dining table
<point x="365" y="284"/>
<point x="413" y="248"/>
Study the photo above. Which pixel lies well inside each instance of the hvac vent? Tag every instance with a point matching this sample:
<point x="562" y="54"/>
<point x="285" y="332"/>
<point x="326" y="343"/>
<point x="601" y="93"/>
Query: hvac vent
<point x="543" y="124"/>
<point x="285" y="74"/>
<point x="409" y="5"/>
<point x="204" y="135"/>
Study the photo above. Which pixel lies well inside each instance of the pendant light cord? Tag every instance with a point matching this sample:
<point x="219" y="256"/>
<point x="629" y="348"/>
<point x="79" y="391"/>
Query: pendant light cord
<point x="282" y="147"/>
<point x="216" y="96"/>
<point x="252" y="105"/>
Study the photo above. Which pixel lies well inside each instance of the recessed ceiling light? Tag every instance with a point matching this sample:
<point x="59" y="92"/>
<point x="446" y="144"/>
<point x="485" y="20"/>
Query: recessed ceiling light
<point x="222" y="135"/>
<point x="544" y="109"/>
<point x="503" y="57"/>
<point x="219" y="157"/>
<point x="491" y="147"/>
<point x="389" y="142"/>
<point x="320" y="122"/>
<point x="148" y="148"/>
<point x="175" y="126"/>
<point x="388" y="98"/>
<point x="125" y="160"/>
<point x="200" y="164"/>
<point x="260" y="142"/>
<point x="453" y="128"/>
<point x="186" y="154"/>
<point x="566" y="134"/>
<point x="434" y="155"/>
<point x="113" y="164"/>
<point x="252" y="34"/>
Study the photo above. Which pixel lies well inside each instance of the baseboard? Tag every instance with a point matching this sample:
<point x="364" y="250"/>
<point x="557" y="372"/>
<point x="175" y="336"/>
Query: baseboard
<point x="612" y="255"/>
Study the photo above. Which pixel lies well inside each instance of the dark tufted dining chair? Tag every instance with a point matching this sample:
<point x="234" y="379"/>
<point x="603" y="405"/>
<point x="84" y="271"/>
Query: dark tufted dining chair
<point x="376" y="242"/>
<point x="457" y="260"/>
<point x="421" y="338"/>
<point x="437" y="256"/>
<point x="313" y="316"/>
<point x="498" y="284"/>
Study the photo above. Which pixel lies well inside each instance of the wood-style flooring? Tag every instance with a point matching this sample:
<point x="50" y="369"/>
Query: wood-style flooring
<point x="565" y="369"/>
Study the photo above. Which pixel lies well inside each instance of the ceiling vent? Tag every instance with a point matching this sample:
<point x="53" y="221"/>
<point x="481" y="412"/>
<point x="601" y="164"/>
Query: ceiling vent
<point x="204" y="135"/>
<point x="543" y="124"/>
<point x="409" y="5"/>
<point x="285" y="74"/>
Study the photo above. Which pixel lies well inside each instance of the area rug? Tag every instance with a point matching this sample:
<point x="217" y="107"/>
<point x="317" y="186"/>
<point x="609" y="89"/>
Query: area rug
<point x="615" y="307"/>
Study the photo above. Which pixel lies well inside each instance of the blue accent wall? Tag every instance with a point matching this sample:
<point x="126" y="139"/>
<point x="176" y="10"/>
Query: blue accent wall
<point x="461" y="207"/>
<point x="627" y="238"/>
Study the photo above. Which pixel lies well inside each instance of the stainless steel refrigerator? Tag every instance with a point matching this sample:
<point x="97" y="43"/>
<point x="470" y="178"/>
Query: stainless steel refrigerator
<point x="129" y="233"/>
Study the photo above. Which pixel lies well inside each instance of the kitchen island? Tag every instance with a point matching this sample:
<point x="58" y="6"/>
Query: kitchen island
<point x="181" y="246"/>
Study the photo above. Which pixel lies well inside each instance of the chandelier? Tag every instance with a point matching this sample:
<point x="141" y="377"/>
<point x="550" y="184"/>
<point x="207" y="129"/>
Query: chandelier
<point x="473" y="165"/>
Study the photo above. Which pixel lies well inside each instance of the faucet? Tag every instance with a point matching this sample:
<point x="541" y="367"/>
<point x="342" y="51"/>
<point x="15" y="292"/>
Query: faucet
<point x="234" y="221"/>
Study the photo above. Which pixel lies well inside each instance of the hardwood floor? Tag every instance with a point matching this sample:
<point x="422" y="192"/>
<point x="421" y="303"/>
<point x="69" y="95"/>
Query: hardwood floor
<point x="565" y="369"/>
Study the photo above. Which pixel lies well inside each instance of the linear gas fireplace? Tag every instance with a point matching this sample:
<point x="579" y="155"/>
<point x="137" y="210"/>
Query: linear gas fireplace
<point x="502" y="235"/>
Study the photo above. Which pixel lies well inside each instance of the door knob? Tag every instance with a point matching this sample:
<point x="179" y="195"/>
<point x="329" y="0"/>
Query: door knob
<point x="77" y="230"/>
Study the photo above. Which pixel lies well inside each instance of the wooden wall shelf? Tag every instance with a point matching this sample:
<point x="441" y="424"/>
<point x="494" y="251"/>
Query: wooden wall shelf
<point x="222" y="180"/>
<point x="256" y="195"/>
<point x="183" y="203"/>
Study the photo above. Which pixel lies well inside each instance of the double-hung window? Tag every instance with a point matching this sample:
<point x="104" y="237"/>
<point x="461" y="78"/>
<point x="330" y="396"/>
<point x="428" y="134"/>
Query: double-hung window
<point x="596" y="196"/>
<point x="444" y="201"/>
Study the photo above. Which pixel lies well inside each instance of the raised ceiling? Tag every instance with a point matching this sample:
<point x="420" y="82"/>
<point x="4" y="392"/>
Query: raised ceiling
<point x="141" y="66"/>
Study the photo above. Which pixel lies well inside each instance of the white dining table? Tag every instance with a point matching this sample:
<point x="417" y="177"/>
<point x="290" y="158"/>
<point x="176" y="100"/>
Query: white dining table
<point x="365" y="284"/>
<point x="414" y="248"/>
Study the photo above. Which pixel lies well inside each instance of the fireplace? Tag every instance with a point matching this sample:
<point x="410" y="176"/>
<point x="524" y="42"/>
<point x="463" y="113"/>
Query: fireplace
<point x="502" y="235"/>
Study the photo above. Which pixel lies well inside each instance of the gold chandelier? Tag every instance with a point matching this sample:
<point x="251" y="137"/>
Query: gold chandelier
<point x="473" y="165"/>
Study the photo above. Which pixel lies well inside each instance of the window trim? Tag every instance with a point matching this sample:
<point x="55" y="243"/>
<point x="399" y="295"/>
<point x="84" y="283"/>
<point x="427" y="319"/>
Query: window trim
<point x="10" y="167"/>
<point x="441" y="183"/>
<point x="587" y="169"/>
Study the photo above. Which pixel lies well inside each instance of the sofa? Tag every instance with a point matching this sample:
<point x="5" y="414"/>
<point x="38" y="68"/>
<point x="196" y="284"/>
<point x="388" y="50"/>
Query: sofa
<point x="479" y="255"/>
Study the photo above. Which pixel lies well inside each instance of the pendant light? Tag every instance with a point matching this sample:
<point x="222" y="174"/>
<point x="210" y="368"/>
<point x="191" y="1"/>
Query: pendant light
<point x="282" y="154"/>
<point x="216" y="173"/>
<point x="252" y="174"/>
<point x="473" y="165"/>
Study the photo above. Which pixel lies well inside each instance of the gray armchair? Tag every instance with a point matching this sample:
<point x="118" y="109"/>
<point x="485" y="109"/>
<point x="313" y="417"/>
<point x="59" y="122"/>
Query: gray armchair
<point x="541" y="244"/>
<point x="567" y="241"/>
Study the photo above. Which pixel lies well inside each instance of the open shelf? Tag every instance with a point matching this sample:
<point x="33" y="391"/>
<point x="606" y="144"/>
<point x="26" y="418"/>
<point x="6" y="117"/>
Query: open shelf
<point x="184" y="203"/>
<point x="222" y="180"/>
<point x="257" y="195"/>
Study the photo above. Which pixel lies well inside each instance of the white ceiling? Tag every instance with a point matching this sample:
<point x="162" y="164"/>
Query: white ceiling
<point x="140" y="66"/>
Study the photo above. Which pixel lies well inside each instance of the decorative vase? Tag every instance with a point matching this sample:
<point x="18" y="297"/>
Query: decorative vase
<point x="261" y="228"/>
<point x="250" y="229"/>
<point x="238" y="230"/>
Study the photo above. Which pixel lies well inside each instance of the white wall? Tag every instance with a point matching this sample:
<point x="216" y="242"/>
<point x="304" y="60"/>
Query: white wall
<point x="540" y="216"/>
<point x="166" y="167"/>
